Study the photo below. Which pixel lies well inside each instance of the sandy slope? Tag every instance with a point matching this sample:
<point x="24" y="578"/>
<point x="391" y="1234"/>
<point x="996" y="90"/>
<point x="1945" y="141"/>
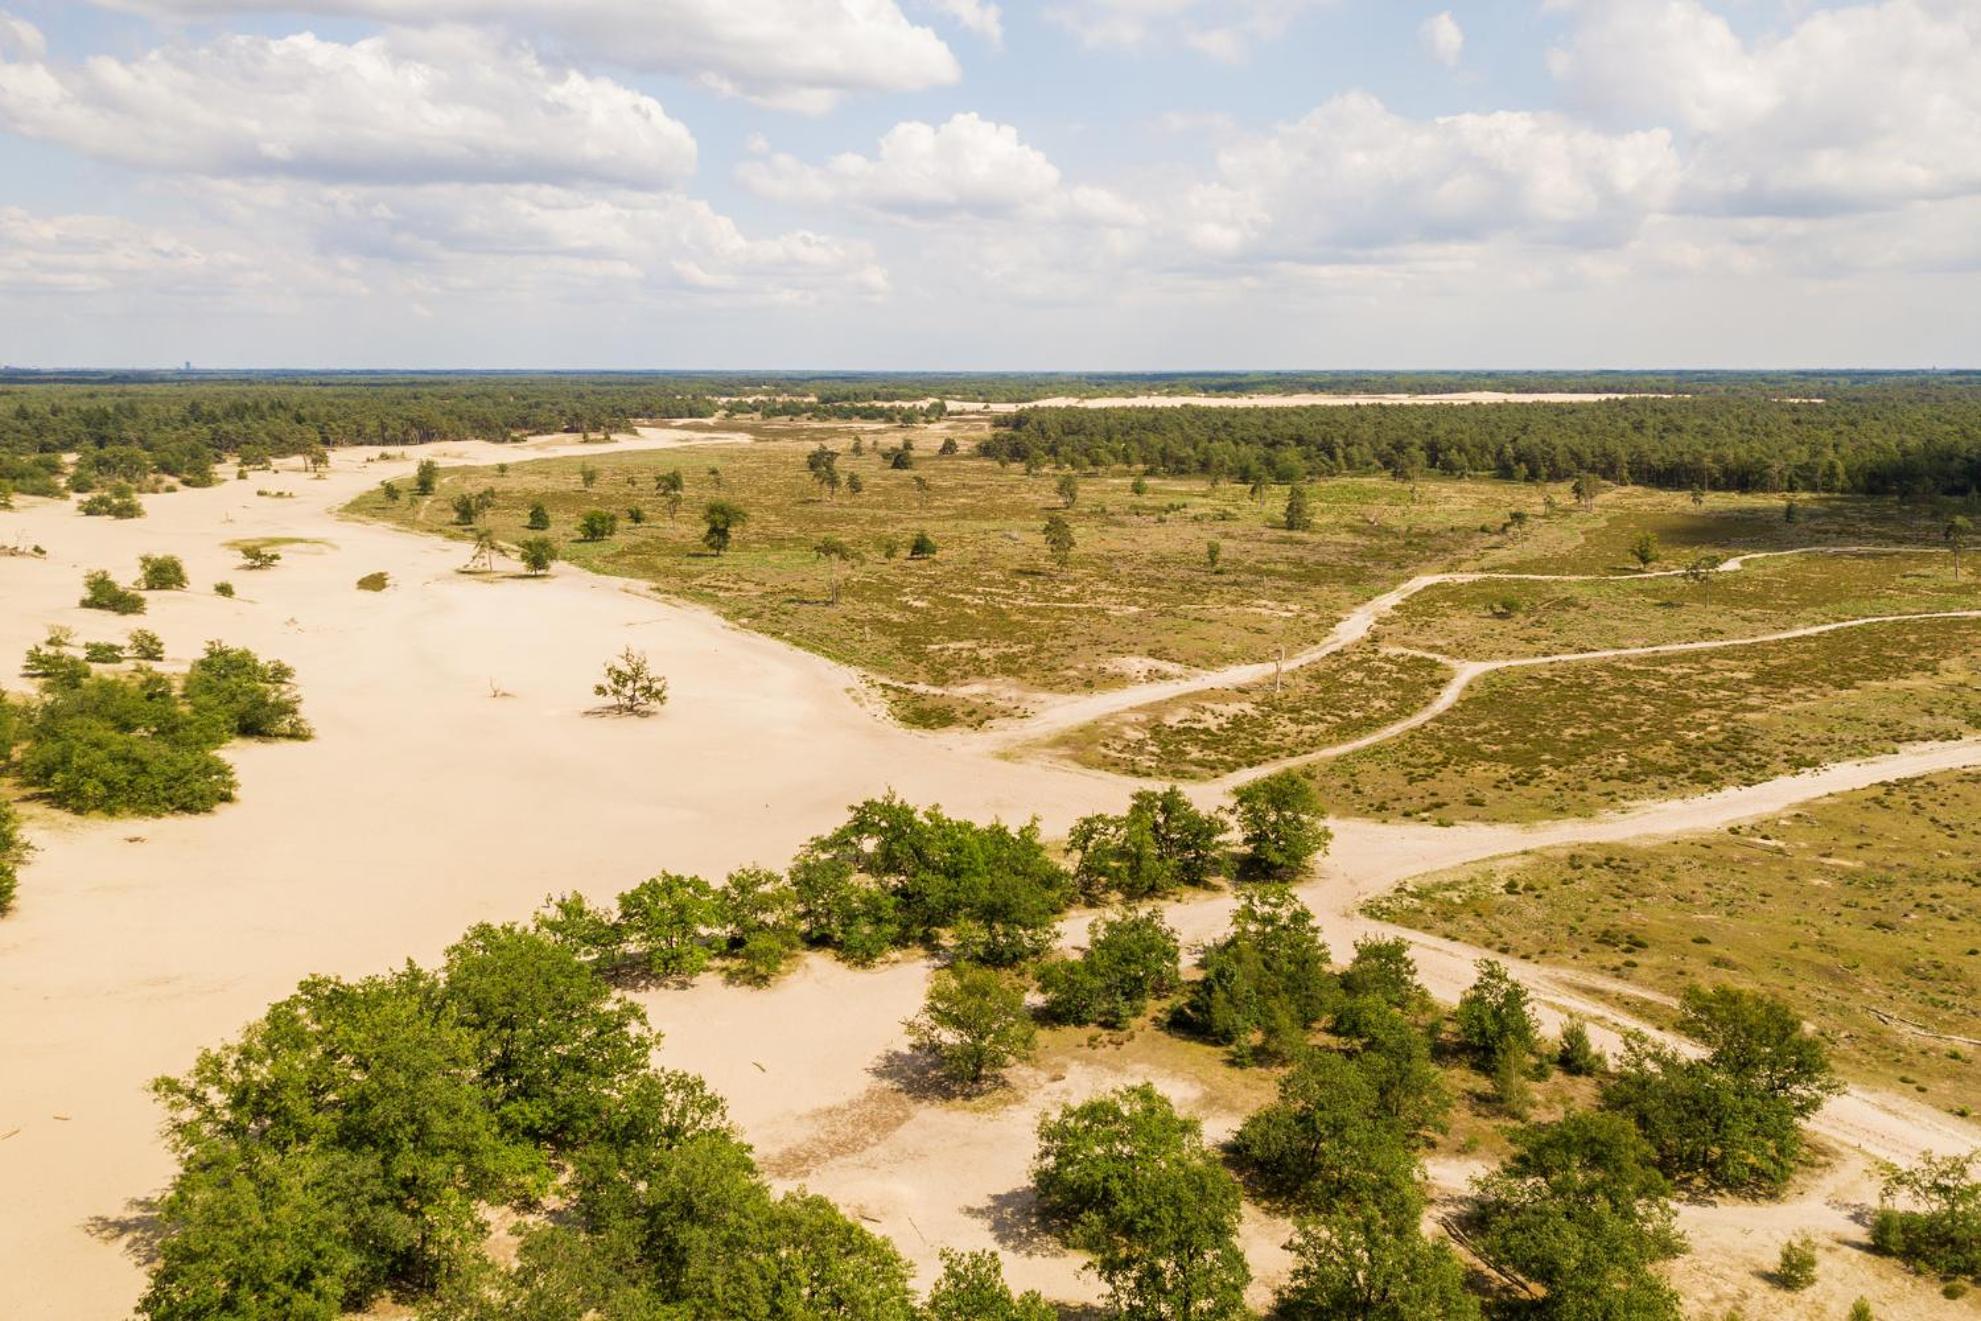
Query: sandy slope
<point x="427" y="803"/>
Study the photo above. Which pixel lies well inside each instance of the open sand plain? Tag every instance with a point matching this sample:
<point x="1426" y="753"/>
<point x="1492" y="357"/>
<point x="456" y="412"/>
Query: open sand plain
<point x="456" y="776"/>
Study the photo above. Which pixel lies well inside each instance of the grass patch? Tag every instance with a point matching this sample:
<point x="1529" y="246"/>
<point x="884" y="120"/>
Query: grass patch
<point x="1340" y="697"/>
<point x="990" y="607"/>
<point x="1857" y="905"/>
<point x="1578" y="738"/>
<point x="1497" y="620"/>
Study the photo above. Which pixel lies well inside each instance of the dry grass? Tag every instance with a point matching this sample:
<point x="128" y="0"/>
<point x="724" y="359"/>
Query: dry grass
<point x="1577" y="738"/>
<point x="1858" y="905"/>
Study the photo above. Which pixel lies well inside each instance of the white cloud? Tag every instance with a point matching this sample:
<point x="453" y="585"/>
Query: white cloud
<point x="437" y="106"/>
<point x="71" y="254"/>
<point x="967" y="166"/>
<point x="1866" y="106"/>
<point x="800" y="54"/>
<point x="1353" y="176"/>
<point x="978" y="16"/>
<point x="1225" y="30"/>
<point x="1443" y="38"/>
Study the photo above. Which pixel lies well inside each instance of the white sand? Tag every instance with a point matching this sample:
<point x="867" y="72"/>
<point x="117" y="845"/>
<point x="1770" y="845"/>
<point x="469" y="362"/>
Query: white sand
<point x="426" y="804"/>
<point x="1291" y="400"/>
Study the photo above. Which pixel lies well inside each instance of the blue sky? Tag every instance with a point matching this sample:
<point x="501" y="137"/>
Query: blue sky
<point x="902" y="184"/>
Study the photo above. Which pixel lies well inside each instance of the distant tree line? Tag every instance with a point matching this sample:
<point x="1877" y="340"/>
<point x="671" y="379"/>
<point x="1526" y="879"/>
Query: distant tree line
<point x="1874" y="444"/>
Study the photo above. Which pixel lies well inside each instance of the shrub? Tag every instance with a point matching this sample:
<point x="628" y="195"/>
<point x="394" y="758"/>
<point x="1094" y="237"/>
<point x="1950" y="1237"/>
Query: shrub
<point x="1265" y="983"/>
<point x="145" y="645"/>
<point x="101" y="592"/>
<point x="374" y="582"/>
<point x="974" y="1024"/>
<point x="1929" y="1216"/>
<point x="539" y="519"/>
<point x="720" y="521"/>
<point x="1129" y="958"/>
<point x="630" y="684"/>
<point x="537" y="555"/>
<point x="245" y="696"/>
<point x="1279" y="817"/>
<point x="161" y="573"/>
<point x="424" y="477"/>
<point x="1795" y="1269"/>
<point x="223" y="589"/>
<point x="597" y="525"/>
<point x="921" y="547"/>
<point x="255" y="556"/>
<point x="1578" y="1056"/>
<point x="13" y="852"/>
<point x="1493" y="1019"/>
<point x="124" y="746"/>
<point x="972" y="1288"/>
<point x="102" y="653"/>
<point x="120" y="501"/>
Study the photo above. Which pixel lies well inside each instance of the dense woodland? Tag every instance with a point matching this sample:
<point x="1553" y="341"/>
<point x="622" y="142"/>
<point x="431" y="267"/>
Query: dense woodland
<point x="1874" y="434"/>
<point x="1872" y="444"/>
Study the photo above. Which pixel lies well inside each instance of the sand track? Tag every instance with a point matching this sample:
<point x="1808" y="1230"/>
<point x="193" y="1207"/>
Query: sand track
<point x="426" y="804"/>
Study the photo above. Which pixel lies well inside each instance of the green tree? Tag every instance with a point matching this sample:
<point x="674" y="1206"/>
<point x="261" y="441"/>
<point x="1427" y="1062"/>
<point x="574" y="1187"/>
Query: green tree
<point x="1958" y="531"/>
<point x="1131" y="956"/>
<point x="721" y="519"/>
<point x="973" y="1023"/>
<point x="597" y="525"/>
<point x="539" y="519"/>
<point x="1325" y="1143"/>
<point x="245" y="696"/>
<point x="836" y="554"/>
<point x="920" y="547"/>
<point x="1645" y="549"/>
<point x="13" y="850"/>
<point x="1266" y="982"/>
<point x="425" y="476"/>
<point x="1299" y="515"/>
<point x="1795" y="1269"/>
<point x="101" y="592"/>
<point x="1279" y="818"/>
<point x="1161" y="842"/>
<point x="667" y="921"/>
<point x="1059" y="539"/>
<point x="1929" y="1216"/>
<point x="537" y="555"/>
<point x="1068" y="487"/>
<point x="1129" y="1181"/>
<point x="972" y="1288"/>
<point x="1494" y="1019"/>
<point x="630" y="685"/>
<point x="161" y="573"/>
<point x="1356" y="1264"/>
<point x="145" y="645"/>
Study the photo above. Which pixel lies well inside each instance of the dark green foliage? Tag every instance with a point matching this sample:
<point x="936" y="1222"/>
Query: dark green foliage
<point x="1581" y="1211"/>
<point x="1930" y="1217"/>
<point x="1732" y="1120"/>
<point x="145" y="645"/>
<point x="597" y="525"/>
<point x="1383" y="970"/>
<point x="1130" y="957"/>
<point x="1127" y="1179"/>
<point x="1493" y="1020"/>
<point x="101" y="592"/>
<point x="1265" y="983"/>
<point x="1299" y="516"/>
<point x="1578" y="1056"/>
<point x="973" y="1023"/>
<point x="424" y="476"/>
<point x="54" y="666"/>
<point x="1279" y="818"/>
<point x="124" y="745"/>
<point x="1795" y="1269"/>
<point x="120" y="501"/>
<point x="537" y="555"/>
<point x="1161" y="843"/>
<point x="246" y="696"/>
<point x="1059" y="539"/>
<point x="972" y="1288"/>
<point x="1358" y="1265"/>
<point x="1394" y="1055"/>
<point x="539" y="519"/>
<point x="721" y="519"/>
<point x="667" y="922"/>
<point x="1325" y="1144"/>
<point x="996" y="890"/>
<point x="13" y="846"/>
<point x="921" y="546"/>
<point x="102" y="653"/>
<point x="161" y="573"/>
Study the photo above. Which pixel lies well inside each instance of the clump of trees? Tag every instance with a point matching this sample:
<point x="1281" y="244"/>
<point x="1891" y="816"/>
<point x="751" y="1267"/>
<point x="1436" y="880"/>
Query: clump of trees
<point x="1129" y="1181"/>
<point x="1131" y="957"/>
<point x="120" y="501"/>
<point x="1930" y="1217"/>
<point x="1162" y="843"/>
<point x="1265" y="983"/>
<point x="143" y="743"/>
<point x="102" y="592"/>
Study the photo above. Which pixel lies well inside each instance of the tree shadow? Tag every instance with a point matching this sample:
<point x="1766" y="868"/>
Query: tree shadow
<point x="918" y="1075"/>
<point x="1014" y="1221"/>
<point x="138" y="1232"/>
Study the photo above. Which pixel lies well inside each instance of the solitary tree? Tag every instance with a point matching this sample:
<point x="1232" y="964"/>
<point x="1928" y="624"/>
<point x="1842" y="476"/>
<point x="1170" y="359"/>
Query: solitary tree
<point x="1213" y="552"/>
<point x="256" y="556"/>
<point x="161" y="573"/>
<point x="630" y="684"/>
<point x="1958" y="529"/>
<point x="425" y="476"/>
<point x="1586" y="488"/>
<point x="1700" y="573"/>
<point x="836" y="554"/>
<point x="597" y="524"/>
<point x="1279" y="817"/>
<point x="921" y="547"/>
<point x="974" y="1023"/>
<point x="587" y="476"/>
<point x="537" y="555"/>
<point x="539" y="520"/>
<point x="1068" y="487"/>
<point x="1645" y="550"/>
<point x="1299" y="515"/>
<point x="1059" y="540"/>
<point x="722" y="519"/>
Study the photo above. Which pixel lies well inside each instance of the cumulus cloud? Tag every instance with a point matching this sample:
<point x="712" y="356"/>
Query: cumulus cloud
<point x="1443" y="38"/>
<point x="966" y="166"/>
<point x="1222" y="29"/>
<point x="71" y="254"/>
<point x="453" y="105"/>
<point x="800" y="54"/>
<point x="1352" y="175"/>
<point x="978" y="16"/>
<point x="1862" y="107"/>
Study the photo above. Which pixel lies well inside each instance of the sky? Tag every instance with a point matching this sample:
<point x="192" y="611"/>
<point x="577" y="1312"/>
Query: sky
<point x="990" y="184"/>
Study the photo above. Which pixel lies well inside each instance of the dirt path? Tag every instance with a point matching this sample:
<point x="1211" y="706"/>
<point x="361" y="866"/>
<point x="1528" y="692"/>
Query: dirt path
<point x="429" y="802"/>
<point x="1058" y="714"/>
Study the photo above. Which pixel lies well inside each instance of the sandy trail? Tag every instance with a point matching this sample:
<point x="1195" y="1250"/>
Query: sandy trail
<point x="1057" y="714"/>
<point x="426" y="804"/>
